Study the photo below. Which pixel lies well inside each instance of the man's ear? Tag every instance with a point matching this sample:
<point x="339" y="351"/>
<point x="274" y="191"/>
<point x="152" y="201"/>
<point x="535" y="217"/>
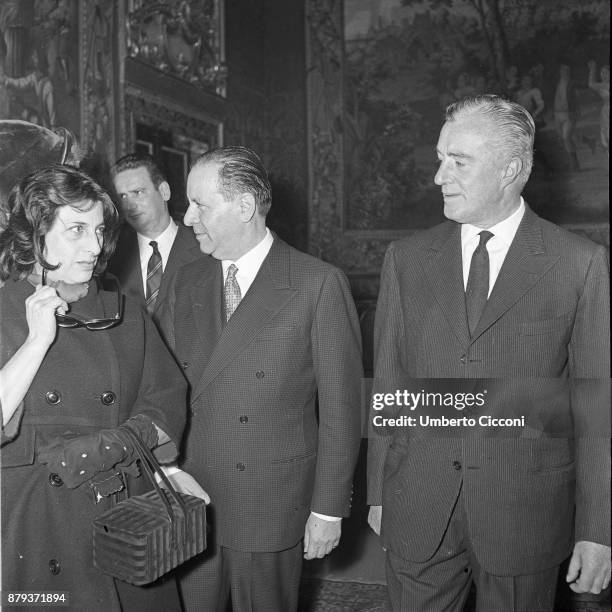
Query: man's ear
<point x="164" y="190"/>
<point x="248" y="207"/>
<point x="512" y="171"/>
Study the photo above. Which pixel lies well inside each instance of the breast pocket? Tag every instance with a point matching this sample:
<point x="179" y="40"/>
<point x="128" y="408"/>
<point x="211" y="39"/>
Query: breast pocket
<point x="280" y="331"/>
<point x="552" y="455"/>
<point x="547" y="326"/>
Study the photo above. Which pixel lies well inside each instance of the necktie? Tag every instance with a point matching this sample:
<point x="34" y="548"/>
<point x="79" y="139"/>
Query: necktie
<point x="231" y="292"/>
<point x="154" y="276"/>
<point x="477" y="289"/>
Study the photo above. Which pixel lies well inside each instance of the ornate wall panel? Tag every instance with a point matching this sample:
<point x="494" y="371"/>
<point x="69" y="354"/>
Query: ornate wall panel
<point x="377" y="85"/>
<point x="358" y="253"/>
<point x="39" y="53"/>
<point x="99" y="27"/>
<point x="183" y="38"/>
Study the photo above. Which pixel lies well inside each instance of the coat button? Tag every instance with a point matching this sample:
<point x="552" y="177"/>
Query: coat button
<point x="55" y="480"/>
<point x="53" y="397"/>
<point x="54" y="566"/>
<point x="184" y="365"/>
<point x="457" y="465"/>
<point x="240" y="467"/>
<point x="463" y="359"/>
<point x="107" y="398"/>
<point x="260" y="373"/>
<point x="244" y="419"/>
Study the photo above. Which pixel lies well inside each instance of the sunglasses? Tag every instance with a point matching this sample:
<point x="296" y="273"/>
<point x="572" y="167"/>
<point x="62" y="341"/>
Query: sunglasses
<point x="73" y="320"/>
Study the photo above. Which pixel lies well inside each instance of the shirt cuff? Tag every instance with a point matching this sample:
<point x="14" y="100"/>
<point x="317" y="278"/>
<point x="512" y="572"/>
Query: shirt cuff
<point x="168" y="471"/>
<point x="332" y="519"/>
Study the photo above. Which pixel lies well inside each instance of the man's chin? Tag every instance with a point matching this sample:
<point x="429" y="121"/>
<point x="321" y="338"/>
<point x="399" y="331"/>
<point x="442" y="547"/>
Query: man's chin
<point x="205" y="245"/>
<point x="452" y="211"/>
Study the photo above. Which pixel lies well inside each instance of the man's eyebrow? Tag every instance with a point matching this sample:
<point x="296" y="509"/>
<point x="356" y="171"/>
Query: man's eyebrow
<point x="456" y="154"/>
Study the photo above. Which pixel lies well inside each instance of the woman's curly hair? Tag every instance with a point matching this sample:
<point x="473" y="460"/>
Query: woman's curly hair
<point x="33" y="205"/>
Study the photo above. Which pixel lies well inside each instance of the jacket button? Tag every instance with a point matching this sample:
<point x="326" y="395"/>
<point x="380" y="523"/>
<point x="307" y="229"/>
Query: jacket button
<point x="53" y="397"/>
<point x="244" y="419"/>
<point x="457" y="465"/>
<point x="240" y="467"/>
<point x="463" y="359"/>
<point x="54" y="567"/>
<point x="107" y="398"/>
<point x="260" y="373"/>
<point x="55" y="480"/>
<point x="184" y="365"/>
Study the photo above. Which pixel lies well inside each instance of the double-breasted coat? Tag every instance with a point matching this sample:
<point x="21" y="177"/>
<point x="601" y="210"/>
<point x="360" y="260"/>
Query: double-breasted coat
<point x="255" y="441"/>
<point x="89" y="380"/>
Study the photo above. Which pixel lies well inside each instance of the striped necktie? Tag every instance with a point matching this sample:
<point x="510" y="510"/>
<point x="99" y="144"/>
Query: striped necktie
<point x="477" y="289"/>
<point x="231" y="292"/>
<point x="154" y="277"/>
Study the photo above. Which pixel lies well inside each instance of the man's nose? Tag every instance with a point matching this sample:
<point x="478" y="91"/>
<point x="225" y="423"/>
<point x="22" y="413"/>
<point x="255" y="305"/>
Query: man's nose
<point x="441" y="176"/>
<point x="191" y="216"/>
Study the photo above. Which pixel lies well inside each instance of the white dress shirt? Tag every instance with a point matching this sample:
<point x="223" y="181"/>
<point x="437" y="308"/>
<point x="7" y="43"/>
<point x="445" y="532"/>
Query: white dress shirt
<point x="248" y="266"/>
<point x="497" y="246"/>
<point x="164" y="244"/>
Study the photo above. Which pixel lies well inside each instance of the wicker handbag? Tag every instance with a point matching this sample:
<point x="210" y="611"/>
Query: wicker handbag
<point x="143" y="537"/>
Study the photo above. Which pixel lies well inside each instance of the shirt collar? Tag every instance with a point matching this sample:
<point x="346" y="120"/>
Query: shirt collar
<point x="248" y="264"/>
<point x="504" y="231"/>
<point x="164" y="240"/>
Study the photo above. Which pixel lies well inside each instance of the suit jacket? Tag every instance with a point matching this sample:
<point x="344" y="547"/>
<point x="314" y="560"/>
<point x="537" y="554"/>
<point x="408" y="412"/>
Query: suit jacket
<point x="254" y="442"/>
<point x="541" y="349"/>
<point x="125" y="263"/>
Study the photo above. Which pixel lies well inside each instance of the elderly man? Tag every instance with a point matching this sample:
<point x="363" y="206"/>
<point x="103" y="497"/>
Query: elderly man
<point x="152" y="246"/>
<point x="503" y="306"/>
<point x="269" y="341"/>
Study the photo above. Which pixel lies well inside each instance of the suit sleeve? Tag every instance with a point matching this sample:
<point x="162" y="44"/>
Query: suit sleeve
<point x="163" y="393"/>
<point x="388" y="369"/>
<point x="336" y="347"/>
<point x="589" y="362"/>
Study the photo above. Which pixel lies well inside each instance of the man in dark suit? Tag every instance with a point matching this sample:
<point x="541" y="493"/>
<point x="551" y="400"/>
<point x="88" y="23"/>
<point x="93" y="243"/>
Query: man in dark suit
<point x="152" y="246"/>
<point x="269" y="341"/>
<point x="504" y="305"/>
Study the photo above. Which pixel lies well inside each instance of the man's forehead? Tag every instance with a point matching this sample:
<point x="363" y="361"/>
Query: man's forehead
<point x="465" y="136"/>
<point x="131" y="176"/>
<point x="203" y="176"/>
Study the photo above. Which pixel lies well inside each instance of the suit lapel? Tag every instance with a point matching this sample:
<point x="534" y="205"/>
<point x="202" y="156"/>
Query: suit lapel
<point x="442" y="267"/>
<point x="128" y="267"/>
<point x="183" y="251"/>
<point x="206" y="312"/>
<point x="270" y="291"/>
<point x="525" y="264"/>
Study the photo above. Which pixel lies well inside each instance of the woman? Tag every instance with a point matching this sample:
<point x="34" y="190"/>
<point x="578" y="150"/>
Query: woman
<point x="76" y="364"/>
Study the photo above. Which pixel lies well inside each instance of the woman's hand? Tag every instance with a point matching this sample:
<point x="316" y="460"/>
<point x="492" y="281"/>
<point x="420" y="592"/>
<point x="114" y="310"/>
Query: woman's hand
<point x="17" y="374"/>
<point x="41" y="307"/>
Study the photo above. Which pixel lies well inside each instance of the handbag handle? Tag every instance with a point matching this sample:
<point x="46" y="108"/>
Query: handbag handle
<point x="152" y="467"/>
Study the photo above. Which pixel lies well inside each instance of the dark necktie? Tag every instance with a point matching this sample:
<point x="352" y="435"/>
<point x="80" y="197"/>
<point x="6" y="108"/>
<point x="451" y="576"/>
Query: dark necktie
<point x="477" y="289"/>
<point x="154" y="277"/>
<point x="231" y="292"/>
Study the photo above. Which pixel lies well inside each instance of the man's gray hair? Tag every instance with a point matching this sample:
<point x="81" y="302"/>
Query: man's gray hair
<point x="515" y="131"/>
